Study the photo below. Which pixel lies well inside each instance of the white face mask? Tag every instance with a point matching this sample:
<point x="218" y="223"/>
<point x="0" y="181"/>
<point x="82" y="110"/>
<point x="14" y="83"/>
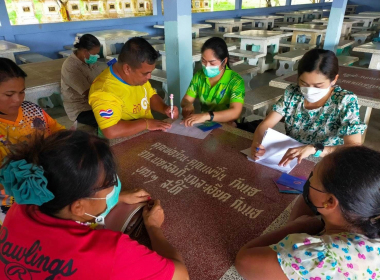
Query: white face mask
<point x="313" y="94"/>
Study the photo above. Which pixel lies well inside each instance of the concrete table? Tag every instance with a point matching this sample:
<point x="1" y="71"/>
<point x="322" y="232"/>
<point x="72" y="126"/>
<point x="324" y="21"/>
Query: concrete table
<point x="365" y="83"/>
<point x="370" y="13"/>
<point x="294" y="17"/>
<point x="194" y="29"/>
<point x="374" y="49"/>
<point x="350" y="9"/>
<point x="312" y="14"/>
<point x="8" y="49"/>
<point x="206" y="180"/>
<point x="108" y="38"/>
<point x="260" y="41"/>
<point x="197" y="55"/>
<point x="263" y="22"/>
<point x="366" y="19"/>
<point x="288" y="59"/>
<point x="346" y="26"/>
<point x="229" y="24"/>
<point x="44" y="78"/>
<point x="314" y="31"/>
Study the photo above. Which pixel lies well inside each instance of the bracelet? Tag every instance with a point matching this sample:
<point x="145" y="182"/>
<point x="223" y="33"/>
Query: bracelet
<point x="147" y="125"/>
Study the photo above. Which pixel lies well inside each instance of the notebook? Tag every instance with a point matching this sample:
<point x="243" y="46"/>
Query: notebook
<point x="276" y="144"/>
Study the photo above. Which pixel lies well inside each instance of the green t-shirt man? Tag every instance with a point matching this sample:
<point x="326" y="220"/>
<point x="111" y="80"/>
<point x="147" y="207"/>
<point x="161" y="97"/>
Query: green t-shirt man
<point x="229" y="89"/>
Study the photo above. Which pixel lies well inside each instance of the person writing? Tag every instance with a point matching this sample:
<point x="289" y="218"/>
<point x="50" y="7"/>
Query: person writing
<point x="122" y="97"/>
<point x="65" y="183"/>
<point x="19" y="119"/>
<point x="77" y="74"/>
<point x="317" y="112"/>
<point x="220" y="90"/>
<point x="344" y="189"/>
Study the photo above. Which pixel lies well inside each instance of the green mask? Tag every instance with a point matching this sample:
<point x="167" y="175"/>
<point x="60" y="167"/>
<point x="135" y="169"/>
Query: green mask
<point x="211" y="71"/>
<point x="92" y="59"/>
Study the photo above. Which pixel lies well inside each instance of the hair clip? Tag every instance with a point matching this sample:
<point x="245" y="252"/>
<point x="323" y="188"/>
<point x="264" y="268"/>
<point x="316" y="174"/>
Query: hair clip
<point x="25" y="182"/>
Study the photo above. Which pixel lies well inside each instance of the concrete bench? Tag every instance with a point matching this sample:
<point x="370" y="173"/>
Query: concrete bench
<point x="361" y="36"/>
<point x="253" y="58"/>
<point x="69" y="47"/>
<point x="32" y="58"/>
<point x="288" y="61"/>
<point x="297" y="46"/>
<point x="262" y="97"/>
<point x="345" y="60"/>
<point x="246" y="69"/>
<point x="66" y="53"/>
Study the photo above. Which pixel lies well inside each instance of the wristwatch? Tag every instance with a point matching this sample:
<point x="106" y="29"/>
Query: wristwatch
<point x="319" y="149"/>
<point x="211" y="115"/>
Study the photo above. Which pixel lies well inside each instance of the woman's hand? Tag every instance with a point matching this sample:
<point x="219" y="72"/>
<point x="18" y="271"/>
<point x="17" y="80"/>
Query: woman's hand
<point x="175" y="112"/>
<point x="257" y="150"/>
<point x="300" y="153"/>
<point x="136" y="196"/>
<point x="187" y="111"/>
<point x="154" y="215"/>
<point x="196" y="118"/>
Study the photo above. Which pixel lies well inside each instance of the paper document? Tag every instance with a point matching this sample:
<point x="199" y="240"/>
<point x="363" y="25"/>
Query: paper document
<point x="276" y="144"/>
<point x="190" y="131"/>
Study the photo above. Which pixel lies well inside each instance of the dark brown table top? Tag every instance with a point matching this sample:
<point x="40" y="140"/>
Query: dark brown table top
<point x="215" y="200"/>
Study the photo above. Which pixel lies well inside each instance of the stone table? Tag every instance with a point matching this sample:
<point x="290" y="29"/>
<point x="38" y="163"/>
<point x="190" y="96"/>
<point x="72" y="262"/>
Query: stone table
<point x="260" y="40"/>
<point x="44" y="78"/>
<point x="350" y="9"/>
<point x="294" y="17"/>
<point x="229" y="23"/>
<point x="197" y="55"/>
<point x="214" y="199"/>
<point x="367" y="20"/>
<point x="365" y="83"/>
<point x="312" y="14"/>
<point x="346" y="25"/>
<point x="374" y="49"/>
<point x="314" y="31"/>
<point x="263" y="22"/>
<point x="108" y="38"/>
<point x="194" y="28"/>
<point x="8" y="49"/>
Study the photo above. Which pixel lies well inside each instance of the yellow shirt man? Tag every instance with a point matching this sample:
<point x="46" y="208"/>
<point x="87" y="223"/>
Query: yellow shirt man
<point x="122" y="98"/>
<point x="112" y="100"/>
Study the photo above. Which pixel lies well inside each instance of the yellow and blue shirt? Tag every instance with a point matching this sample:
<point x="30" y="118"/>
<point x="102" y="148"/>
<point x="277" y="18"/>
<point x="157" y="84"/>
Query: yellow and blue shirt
<point x="229" y="89"/>
<point x="112" y="100"/>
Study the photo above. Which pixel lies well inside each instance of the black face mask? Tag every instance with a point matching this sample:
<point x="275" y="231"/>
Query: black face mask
<point x="306" y="190"/>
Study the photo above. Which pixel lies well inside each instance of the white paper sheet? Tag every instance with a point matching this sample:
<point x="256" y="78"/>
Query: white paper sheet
<point x="191" y="131"/>
<point x="276" y="144"/>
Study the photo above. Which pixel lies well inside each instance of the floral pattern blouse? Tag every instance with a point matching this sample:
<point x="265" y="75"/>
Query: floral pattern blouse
<point x="342" y="256"/>
<point x="327" y="125"/>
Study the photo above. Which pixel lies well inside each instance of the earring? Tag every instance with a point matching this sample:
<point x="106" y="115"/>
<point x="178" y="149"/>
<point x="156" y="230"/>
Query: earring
<point x="325" y="205"/>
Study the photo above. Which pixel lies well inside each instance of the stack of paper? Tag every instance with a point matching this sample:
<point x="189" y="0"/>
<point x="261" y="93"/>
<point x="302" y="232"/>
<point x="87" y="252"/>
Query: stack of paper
<point x="191" y="131"/>
<point x="276" y="144"/>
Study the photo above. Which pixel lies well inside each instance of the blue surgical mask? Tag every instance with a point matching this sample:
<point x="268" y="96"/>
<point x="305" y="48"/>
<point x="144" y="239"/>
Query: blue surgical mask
<point x="92" y="59"/>
<point x="211" y="71"/>
<point x="111" y="199"/>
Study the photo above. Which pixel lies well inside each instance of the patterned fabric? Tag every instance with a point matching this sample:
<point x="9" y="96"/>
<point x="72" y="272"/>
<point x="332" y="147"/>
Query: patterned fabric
<point x="113" y="100"/>
<point x="343" y="256"/>
<point x="76" y="78"/>
<point x="229" y="89"/>
<point x="327" y="125"/>
<point x="31" y="119"/>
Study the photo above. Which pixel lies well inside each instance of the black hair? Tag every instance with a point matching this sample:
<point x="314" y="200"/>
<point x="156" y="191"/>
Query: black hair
<point x="72" y="163"/>
<point x="323" y="61"/>
<point x="88" y="42"/>
<point x="9" y="70"/>
<point x="219" y="47"/>
<point x="137" y="51"/>
<point x="352" y="175"/>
